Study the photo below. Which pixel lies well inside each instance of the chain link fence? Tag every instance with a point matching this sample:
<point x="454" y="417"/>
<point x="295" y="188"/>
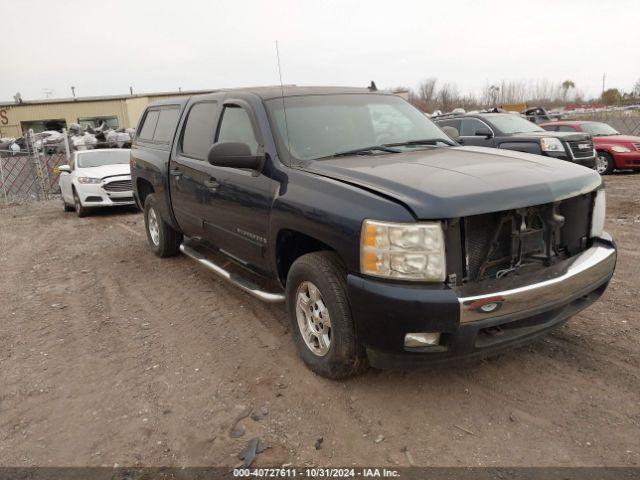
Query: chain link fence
<point x="30" y="175"/>
<point x="625" y="123"/>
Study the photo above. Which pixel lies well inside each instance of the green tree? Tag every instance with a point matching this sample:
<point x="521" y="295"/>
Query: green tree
<point x="611" y="97"/>
<point x="566" y="86"/>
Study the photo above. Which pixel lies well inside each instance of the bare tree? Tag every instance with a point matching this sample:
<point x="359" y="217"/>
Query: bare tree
<point x="427" y="91"/>
<point x="448" y="97"/>
<point x="490" y="96"/>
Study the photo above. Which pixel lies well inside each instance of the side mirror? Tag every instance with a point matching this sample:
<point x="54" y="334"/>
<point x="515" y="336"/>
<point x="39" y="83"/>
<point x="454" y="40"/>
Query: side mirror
<point x="452" y="133"/>
<point x="64" y="168"/>
<point x="483" y="132"/>
<point x="233" y="155"/>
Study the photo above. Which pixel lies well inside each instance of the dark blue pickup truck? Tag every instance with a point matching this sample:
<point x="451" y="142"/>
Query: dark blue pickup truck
<point x="392" y="245"/>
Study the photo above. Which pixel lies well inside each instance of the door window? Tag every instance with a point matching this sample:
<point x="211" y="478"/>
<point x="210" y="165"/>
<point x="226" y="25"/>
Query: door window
<point x="566" y="128"/>
<point x="149" y="125"/>
<point x="197" y="135"/>
<point x="166" y="125"/>
<point x="470" y="126"/>
<point x="236" y="126"/>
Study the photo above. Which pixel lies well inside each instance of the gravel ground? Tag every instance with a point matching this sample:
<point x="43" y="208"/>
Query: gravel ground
<point x="111" y="355"/>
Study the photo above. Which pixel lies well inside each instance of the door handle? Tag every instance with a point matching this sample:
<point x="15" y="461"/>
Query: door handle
<point x="212" y="184"/>
<point x="175" y="172"/>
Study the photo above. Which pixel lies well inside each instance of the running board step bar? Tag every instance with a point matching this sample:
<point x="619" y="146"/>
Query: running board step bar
<point x="239" y="281"/>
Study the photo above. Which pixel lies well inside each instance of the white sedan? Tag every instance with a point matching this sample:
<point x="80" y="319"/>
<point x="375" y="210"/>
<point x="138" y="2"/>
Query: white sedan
<point x="96" y="178"/>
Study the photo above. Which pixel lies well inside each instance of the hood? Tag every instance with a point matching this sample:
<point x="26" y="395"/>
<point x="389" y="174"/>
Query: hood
<point x="106" y="170"/>
<point x="566" y="136"/>
<point x="615" y="139"/>
<point x="453" y="182"/>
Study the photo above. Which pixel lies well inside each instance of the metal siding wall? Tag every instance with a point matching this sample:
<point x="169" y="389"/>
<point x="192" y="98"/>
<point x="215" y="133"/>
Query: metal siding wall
<point x="69" y="111"/>
<point x="128" y="111"/>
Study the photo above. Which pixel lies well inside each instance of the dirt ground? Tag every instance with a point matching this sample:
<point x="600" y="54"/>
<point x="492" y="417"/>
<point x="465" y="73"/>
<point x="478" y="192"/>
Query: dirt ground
<point x="111" y="355"/>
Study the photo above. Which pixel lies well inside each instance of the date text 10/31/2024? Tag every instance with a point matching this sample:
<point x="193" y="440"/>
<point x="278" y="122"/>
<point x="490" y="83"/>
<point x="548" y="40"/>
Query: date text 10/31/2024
<point x="316" y="472"/>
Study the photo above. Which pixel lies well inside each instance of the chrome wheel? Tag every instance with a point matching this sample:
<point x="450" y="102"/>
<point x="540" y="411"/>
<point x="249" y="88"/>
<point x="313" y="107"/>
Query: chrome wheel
<point x="153" y="226"/>
<point x="313" y="318"/>
<point x="601" y="164"/>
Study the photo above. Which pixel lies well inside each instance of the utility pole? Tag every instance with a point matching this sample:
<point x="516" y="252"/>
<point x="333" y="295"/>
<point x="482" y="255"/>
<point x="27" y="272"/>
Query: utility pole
<point x="73" y="92"/>
<point x="603" y="77"/>
<point x="131" y="90"/>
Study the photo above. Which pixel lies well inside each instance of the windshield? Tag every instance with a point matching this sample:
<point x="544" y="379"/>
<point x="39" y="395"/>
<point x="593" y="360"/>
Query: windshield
<point x="509" y="123"/>
<point x="98" y="158"/>
<point x="598" y="129"/>
<point x="319" y="126"/>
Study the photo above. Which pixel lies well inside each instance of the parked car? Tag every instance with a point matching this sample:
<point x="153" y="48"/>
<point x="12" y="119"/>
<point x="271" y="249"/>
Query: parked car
<point x="390" y="244"/>
<point x="513" y="132"/>
<point x="96" y="178"/>
<point x="615" y="151"/>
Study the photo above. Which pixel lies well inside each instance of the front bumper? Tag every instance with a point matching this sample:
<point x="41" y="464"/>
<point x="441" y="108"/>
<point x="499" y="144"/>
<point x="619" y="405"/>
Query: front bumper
<point x="627" y="160"/>
<point x="523" y="307"/>
<point x="589" y="162"/>
<point x="95" y="195"/>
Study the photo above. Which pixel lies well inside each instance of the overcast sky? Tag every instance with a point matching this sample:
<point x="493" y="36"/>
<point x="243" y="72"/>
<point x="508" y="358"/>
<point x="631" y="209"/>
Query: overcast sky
<point x="103" y="47"/>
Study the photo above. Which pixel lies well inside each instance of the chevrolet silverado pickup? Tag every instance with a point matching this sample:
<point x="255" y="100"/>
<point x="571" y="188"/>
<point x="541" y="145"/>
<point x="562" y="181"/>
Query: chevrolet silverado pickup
<point x="390" y="244"/>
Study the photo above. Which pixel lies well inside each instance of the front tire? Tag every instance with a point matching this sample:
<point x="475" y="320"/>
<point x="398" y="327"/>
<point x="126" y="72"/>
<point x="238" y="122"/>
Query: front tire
<point x="605" y="163"/>
<point x="80" y="210"/>
<point x="163" y="239"/>
<point x="320" y="316"/>
<point x="66" y="207"/>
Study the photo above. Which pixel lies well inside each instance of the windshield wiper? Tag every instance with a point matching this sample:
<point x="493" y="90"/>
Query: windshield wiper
<point x="429" y="141"/>
<point x="366" y="151"/>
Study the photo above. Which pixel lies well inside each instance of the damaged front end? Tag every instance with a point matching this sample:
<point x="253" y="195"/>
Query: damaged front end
<point x="499" y="244"/>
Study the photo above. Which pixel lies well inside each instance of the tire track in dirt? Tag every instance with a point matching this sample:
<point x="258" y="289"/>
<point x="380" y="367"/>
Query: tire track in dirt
<point x="158" y="357"/>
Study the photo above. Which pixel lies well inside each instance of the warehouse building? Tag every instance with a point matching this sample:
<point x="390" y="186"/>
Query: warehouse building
<point x="55" y="114"/>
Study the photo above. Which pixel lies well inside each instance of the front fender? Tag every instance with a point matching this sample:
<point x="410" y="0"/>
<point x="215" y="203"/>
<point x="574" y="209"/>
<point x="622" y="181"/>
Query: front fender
<point x="331" y="212"/>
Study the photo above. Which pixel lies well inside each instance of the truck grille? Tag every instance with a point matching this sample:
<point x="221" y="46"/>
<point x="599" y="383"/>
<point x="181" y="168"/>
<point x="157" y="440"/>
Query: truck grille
<point x="496" y="242"/>
<point x="581" y="148"/>
<point x="119" y="186"/>
<point x="637" y="146"/>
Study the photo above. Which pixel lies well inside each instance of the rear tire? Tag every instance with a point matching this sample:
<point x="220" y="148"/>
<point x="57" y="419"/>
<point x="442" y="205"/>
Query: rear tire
<point x="604" y="163"/>
<point x="163" y="239"/>
<point x="320" y="316"/>
<point x="80" y="210"/>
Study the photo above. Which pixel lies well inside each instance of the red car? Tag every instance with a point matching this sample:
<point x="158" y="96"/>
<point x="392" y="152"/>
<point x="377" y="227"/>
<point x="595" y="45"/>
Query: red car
<point x="615" y="151"/>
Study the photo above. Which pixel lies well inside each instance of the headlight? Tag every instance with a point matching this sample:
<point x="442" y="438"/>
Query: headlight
<point x="89" y="180"/>
<point x="599" y="213"/>
<point x="550" y="144"/>
<point x="620" y="149"/>
<point x="407" y="251"/>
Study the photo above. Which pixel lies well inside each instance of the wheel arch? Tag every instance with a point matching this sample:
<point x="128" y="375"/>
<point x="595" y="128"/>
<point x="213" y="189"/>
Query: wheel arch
<point x="292" y="244"/>
<point x="144" y="188"/>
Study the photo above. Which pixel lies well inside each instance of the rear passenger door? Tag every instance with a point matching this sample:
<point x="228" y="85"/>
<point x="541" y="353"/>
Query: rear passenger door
<point x="191" y="196"/>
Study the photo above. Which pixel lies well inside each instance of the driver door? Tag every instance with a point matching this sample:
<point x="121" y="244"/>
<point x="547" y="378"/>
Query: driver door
<point x="470" y="129"/>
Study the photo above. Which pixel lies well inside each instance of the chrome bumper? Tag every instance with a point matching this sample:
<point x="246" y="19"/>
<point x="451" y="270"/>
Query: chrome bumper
<point x="535" y="292"/>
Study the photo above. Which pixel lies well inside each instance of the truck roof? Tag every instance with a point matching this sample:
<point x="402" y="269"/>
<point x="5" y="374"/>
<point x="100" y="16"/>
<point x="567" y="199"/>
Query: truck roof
<point x="274" y="91"/>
